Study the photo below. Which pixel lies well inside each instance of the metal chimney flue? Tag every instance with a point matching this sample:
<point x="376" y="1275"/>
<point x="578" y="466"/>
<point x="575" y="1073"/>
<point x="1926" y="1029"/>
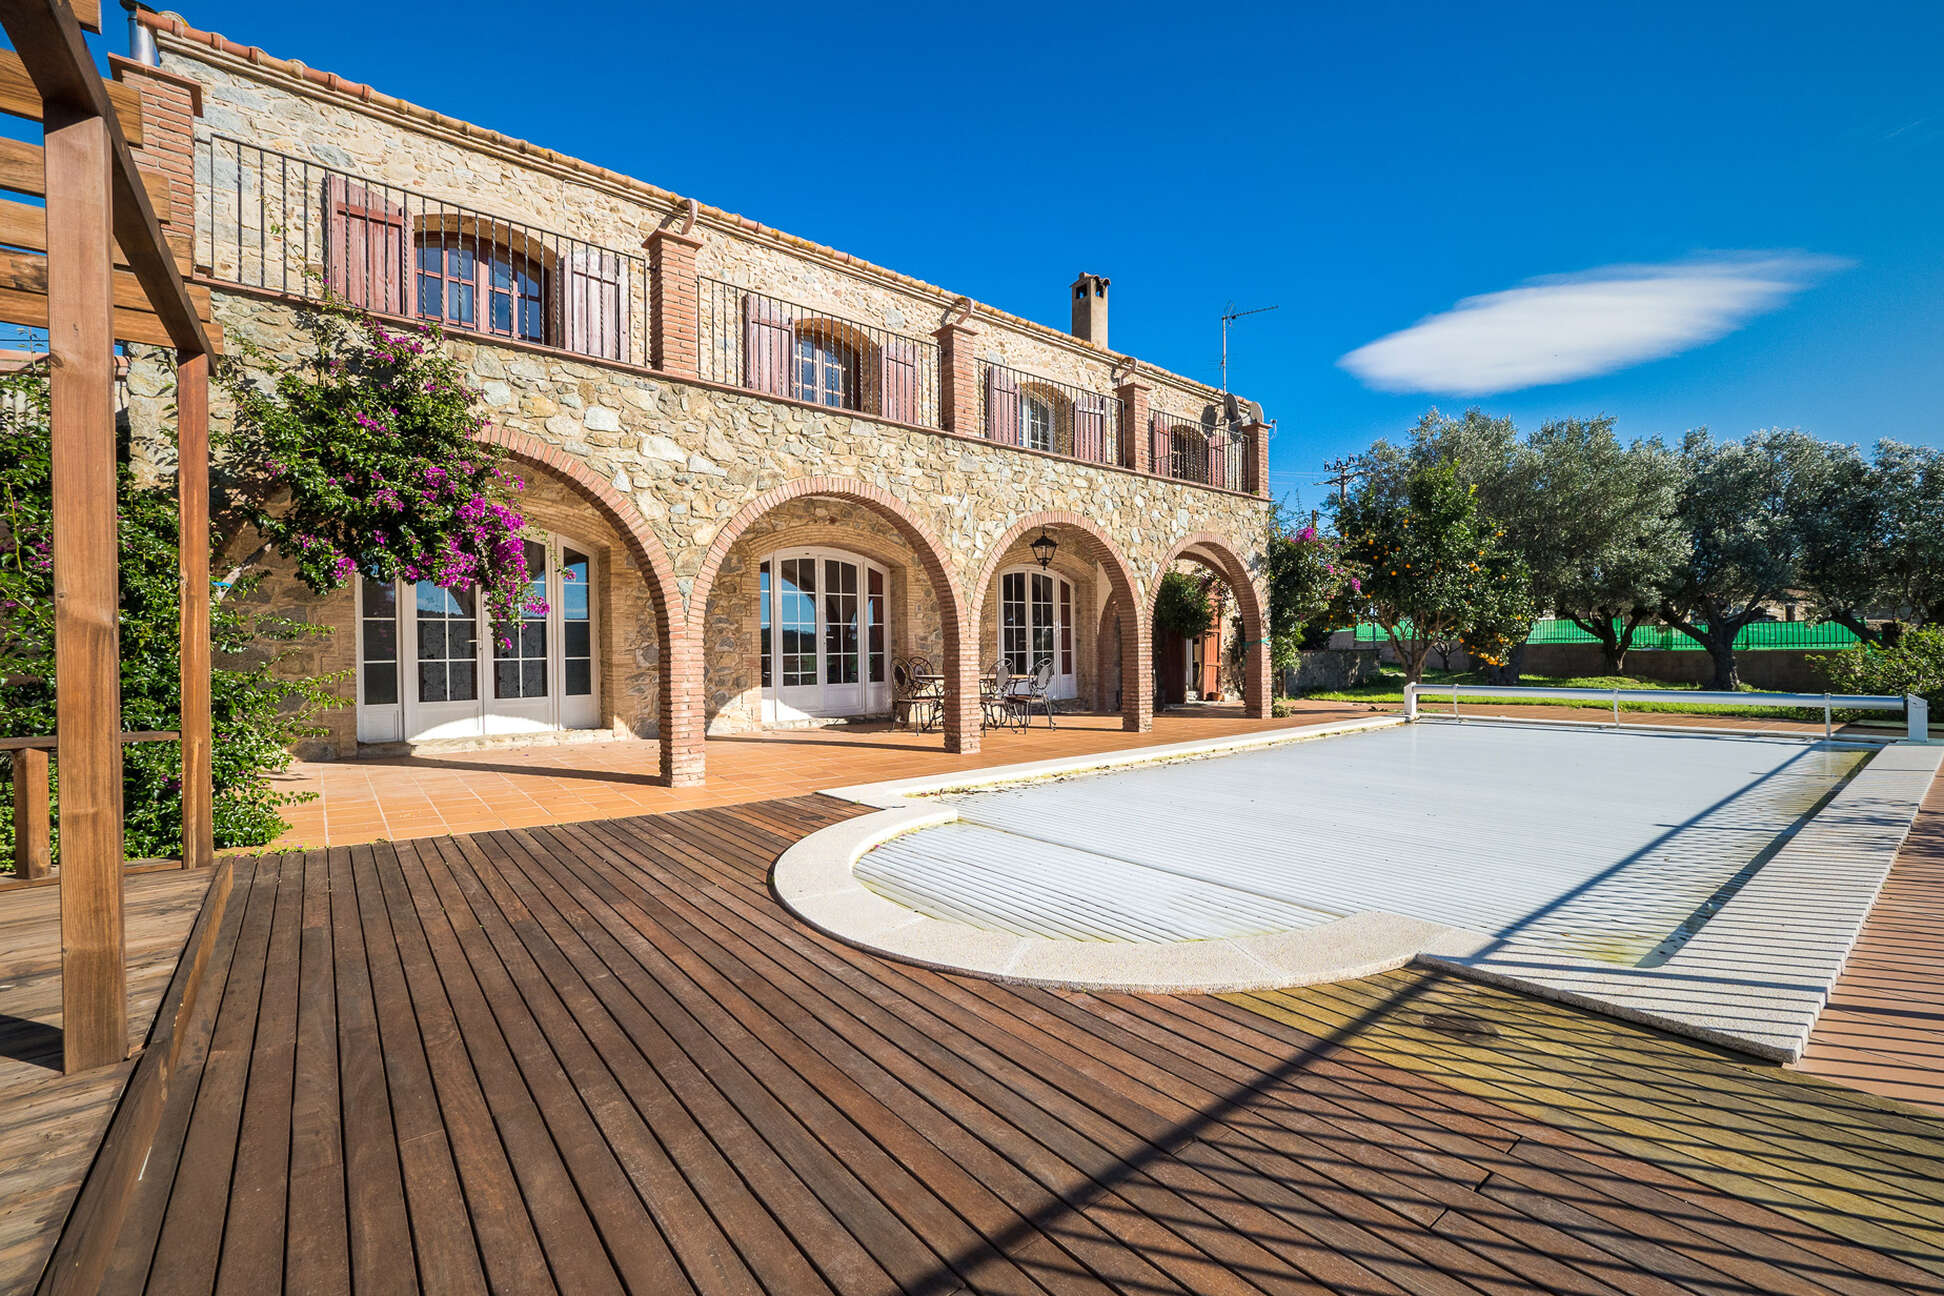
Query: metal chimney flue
<point x="1090" y="309"/>
<point x="141" y="38"/>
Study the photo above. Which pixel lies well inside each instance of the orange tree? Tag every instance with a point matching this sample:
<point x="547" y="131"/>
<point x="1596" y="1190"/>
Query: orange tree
<point x="1433" y="567"/>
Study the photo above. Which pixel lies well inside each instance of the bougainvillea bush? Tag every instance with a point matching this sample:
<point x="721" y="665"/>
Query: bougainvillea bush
<point x="256" y="714"/>
<point x="1311" y="580"/>
<point x="367" y="460"/>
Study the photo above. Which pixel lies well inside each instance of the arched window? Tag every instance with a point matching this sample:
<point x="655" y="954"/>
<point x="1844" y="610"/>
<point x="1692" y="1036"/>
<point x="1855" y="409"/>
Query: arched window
<point x="1035" y="420"/>
<point x="480" y="287"/>
<point x="826" y="367"/>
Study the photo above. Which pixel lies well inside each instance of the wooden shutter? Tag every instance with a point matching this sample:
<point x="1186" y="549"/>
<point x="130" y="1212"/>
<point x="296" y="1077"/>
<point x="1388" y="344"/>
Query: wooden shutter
<point x="367" y="248"/>
<point x="1218" y="458"/>
<point x="898" y="379"/>
<point x="1160" y="445"/>
<point x="1090" y="428"/>
<point x="1002" y="406"/>
<point x="593" y="295"/>
<point x="769" y="343"/>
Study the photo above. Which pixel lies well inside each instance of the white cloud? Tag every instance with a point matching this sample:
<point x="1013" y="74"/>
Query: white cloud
<point x="1565" y="327"/>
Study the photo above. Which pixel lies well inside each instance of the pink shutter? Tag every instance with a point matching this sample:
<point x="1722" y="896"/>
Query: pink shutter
<point x="1160" y="444"/>
<point x="769" y="338"/>
<point x="898" y="379"/>
<point x="367" y="250"/>
<point x="593" y="295"/>
<point x="1090" y="429"/>
<point x="1218" y="459"/>
<point x="1002" y="406"/>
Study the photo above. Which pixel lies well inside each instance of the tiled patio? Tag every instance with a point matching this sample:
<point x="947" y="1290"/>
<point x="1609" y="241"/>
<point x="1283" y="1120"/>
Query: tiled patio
<point x="395" y="798"/>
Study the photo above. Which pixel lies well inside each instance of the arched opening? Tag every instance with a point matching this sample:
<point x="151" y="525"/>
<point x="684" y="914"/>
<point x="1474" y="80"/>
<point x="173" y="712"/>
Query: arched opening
<point x="1230" y="660"/>
<point x="1028" y="610"/>
<point x="802" y="603"/>
<point x="637" y="619"/>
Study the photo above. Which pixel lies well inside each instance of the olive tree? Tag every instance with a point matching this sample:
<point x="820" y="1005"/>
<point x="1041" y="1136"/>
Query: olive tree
<point x="1599" y="528"/>
<point x="1736" y="509"/>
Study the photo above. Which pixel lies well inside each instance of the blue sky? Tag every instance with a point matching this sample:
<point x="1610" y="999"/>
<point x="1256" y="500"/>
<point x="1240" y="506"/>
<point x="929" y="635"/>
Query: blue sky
<point x="1678" y="214"/>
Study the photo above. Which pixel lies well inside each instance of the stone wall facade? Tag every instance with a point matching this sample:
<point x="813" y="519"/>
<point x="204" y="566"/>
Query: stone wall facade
<point x="680" y="484"/>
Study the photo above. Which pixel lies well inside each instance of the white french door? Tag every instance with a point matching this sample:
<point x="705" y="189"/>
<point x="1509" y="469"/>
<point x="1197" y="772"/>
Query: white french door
<point x="430" y="666"/>
<point x="1036" y="621"/>
<point x="823" y="615"/>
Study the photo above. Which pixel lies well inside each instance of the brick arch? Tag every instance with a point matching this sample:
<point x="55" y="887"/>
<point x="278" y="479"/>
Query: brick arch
<point x="1137" y="696"/>
<point x="649" y="555"/>
<point x="1219" y="556"/>
<point x="960" y="667"/>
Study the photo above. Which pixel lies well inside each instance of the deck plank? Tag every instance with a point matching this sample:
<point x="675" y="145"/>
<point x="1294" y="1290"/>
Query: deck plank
<point x="601" y="1057"/>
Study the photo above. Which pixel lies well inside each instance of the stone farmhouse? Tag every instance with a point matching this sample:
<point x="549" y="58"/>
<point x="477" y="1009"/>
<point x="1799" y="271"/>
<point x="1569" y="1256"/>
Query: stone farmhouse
<point x="759" y="471"/>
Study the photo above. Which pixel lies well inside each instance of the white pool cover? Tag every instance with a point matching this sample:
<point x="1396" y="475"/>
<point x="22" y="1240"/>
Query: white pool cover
<point x="1601" y="845"/>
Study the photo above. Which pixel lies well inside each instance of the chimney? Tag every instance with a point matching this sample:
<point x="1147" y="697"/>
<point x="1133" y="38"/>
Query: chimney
<point x="141" y="41"/>
<point x="1090" y="309"/>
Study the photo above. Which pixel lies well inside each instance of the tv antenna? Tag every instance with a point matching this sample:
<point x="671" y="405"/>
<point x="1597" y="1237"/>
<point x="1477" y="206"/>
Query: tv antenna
<point x="1229" y="316"/>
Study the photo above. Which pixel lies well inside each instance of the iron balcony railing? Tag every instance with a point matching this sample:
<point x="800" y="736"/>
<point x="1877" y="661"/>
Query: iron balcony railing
<point x="750" y="339"/>
<point x="1201" y="449"/>
<point x="273" y="221"/>
<point x="1022" y="409"/>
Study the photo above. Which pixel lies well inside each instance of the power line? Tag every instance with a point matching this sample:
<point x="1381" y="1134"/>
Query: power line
<point x="1342" y="473"/>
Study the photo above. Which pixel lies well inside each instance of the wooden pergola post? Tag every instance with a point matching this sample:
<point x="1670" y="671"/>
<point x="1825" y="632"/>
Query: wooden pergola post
<point x="98" y="206"/>
<point x="192" y="543"/>
<point x="87" y="595"/>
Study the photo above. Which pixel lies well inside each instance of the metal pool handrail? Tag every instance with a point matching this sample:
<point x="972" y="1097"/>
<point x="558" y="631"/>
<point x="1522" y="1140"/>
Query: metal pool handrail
<point x="1916" y="710"/>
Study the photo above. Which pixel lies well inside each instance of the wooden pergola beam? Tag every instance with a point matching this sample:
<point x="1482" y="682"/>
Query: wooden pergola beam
<point x="50" y="45"/>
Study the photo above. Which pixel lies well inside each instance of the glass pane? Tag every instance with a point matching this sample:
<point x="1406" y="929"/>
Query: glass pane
<point x="432" y="682"/>
<point x="380" y="640"/>
<point x="459" y="302"/>
<point x="533" y="638"/>
<point x="764" y="581"/>
<point x="579" y="678"/>
<point x="430" y="257"/>
<point x="431" y="299"/>
<point x="506" y="679"/>
<point x="380" y="598"/>
<point x="381" y="684"/>
<point x="533" y="675"/>
<point x="431" y="641"/>
<point x="578" y="639"/>
<point x="502" y="319"/>
<point x="463" y="682"/>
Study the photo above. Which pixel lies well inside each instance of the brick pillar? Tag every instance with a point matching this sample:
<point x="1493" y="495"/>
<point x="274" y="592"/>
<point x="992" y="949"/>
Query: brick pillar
<point x="958" y="394"/>
<point x="1256" y="479"/>
<point x="674" y="315"/>
<point x="170" y="106"/>
<point x="1134" y="440"/>
<point x="1256" y="690"/>
<point x="1137" y="672"/>
<point x="963" y="721"/>
<point x="680" y="708"/>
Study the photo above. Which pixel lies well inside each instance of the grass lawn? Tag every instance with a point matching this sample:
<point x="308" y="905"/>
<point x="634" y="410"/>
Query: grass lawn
<point x="1390" y="688"/>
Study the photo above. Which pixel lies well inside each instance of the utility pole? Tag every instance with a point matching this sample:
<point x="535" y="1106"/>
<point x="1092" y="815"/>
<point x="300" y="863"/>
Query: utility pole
<point x="1229" y="316"/>
<point x="1341" y="475"/>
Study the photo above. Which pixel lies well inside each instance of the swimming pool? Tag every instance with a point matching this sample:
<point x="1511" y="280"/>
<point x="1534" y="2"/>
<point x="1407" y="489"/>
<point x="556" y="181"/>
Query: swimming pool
<point x="1711" y="883"/>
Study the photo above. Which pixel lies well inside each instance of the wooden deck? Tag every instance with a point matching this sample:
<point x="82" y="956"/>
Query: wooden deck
<point x="50" y="1124"/>
<point x="1884" y="1027"/>
<point x="599" y="1057"/>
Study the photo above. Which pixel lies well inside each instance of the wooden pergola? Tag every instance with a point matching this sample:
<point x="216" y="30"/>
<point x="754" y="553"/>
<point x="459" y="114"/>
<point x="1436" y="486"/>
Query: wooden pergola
<point x="98" y="268"/>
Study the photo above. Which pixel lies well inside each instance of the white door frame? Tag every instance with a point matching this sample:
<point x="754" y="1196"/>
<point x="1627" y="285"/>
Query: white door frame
<point x="409" y="719"/>
<point x="823" y="699"/>
<point x="1062" y="636"/>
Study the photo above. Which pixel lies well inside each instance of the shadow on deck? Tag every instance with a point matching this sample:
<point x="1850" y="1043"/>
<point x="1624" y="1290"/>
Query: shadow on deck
<point x="599" y="1057"/>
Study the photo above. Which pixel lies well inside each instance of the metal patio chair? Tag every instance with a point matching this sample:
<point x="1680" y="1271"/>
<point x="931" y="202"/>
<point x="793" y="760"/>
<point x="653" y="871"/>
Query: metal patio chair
<point x="1030" y="691"/>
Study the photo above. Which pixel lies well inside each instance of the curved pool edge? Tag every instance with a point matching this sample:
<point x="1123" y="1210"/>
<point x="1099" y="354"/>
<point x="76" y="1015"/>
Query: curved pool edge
<point x="816" y="881"/>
